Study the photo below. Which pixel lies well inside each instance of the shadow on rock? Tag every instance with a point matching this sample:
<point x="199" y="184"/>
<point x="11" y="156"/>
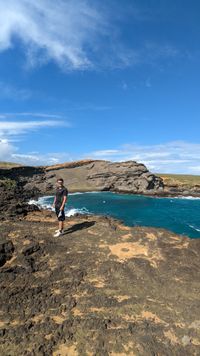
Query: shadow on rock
<point x="80" y="226"/>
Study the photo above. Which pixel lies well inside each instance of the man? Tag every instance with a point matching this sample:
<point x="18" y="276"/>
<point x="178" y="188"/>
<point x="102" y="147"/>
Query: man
<point x="59" y="205"/>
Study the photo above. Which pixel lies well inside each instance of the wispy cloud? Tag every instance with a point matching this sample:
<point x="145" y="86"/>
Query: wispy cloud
<point x="8" y="91"/>
<point x="9" y="152"/>
<point x="10" y="134"/>
<point x="8" y="128"/>
<point x="170" y="157"/>
<point x="59" y="30"/>
<point x="76" y="34"/>
<point x="8" y="115"/>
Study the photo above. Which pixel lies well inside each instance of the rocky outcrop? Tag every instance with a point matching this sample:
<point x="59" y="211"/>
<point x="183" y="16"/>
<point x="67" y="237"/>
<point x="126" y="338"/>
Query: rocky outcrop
<point x="102" y="288"/>
<point x="129" y="177"/>
<point x="6" y="251"/>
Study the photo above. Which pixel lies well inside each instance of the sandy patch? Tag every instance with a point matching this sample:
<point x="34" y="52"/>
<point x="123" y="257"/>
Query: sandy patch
<point x="151" y="236"/>
<point x="98" y="310"/>
<point x="179" y="325"/>
<point x="26" y="242"/>
<point x="123" y="227"/>
<point x="2" y="324"/>
<point x="56" y="291"/>
<point x="151" y="316"/>
<point x="184" y="245"/>
<point x="9" y="262"/>
<point x="58" y="319"/>
<point x="126" y="236"/>
<point x="65" y="350"/>
<point x="77" y="312"/>
<point x="195" y="342"/>
<point x="128" y="250"/>
<point x="14" y="234"/>
<point x="97" y="282"/>
<point x="121" y="298"/>
<point x="171" y="336"/>
<point x="195" y="324"/>
<point x="38" y="318"/>
<point x="16" y="322"/>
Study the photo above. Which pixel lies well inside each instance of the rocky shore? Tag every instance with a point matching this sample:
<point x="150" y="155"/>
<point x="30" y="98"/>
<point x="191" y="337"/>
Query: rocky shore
<point x="102" y="288"/>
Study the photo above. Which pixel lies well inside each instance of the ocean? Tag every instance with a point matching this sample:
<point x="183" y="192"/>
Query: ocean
<point x="180" y="215"/>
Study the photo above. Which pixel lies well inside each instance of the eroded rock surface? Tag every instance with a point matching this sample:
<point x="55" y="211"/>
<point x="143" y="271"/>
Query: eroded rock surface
<point x="102" y="288"/>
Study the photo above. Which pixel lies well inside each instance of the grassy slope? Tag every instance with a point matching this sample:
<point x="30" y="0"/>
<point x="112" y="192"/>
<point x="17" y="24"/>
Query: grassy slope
<point x="180" y="179"/>
<point x="9" y="164"/>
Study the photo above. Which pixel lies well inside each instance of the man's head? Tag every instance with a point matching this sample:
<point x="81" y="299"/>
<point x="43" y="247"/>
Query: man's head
<point x="60" y="182"/>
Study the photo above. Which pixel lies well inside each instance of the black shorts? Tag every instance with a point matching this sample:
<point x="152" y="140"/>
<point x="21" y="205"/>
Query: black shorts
<point x="62" y="217"/>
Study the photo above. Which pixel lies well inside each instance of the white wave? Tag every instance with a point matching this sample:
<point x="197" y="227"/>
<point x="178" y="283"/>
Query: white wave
<point x="41" y="203"/>
<point x="32" y="201"/>
<point x="74" y="211"/>
<point x="194" y="227"/>
<point x="189" y="197"/>
<point x="77" y="193"/>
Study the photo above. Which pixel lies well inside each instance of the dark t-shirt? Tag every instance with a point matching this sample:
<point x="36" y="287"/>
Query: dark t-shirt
<point x="60" y="193"/>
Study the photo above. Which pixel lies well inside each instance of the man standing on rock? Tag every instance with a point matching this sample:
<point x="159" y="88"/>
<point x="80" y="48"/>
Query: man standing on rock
<point x="59" y="205"/>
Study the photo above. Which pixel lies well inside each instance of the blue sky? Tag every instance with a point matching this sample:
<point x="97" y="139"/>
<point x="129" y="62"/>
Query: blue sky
<point x="115" y="80"/>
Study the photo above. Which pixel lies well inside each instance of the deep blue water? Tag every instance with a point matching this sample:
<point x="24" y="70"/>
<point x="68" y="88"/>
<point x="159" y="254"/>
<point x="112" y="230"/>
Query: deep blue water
<point x="180" y="215"/>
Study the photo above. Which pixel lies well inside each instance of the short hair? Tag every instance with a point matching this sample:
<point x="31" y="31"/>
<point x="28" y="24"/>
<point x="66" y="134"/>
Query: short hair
<point x="60" y="179"/>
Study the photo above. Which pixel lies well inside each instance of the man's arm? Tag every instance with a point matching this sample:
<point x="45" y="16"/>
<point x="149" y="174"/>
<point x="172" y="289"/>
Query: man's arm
<point x="63" y="202"/>
<point x="54" y="201"/>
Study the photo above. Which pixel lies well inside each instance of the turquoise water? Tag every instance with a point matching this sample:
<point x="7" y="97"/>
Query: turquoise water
<point x="180" y="215"/>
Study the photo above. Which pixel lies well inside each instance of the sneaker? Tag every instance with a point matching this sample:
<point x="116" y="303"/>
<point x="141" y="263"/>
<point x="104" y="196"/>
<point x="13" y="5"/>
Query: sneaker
<point x="59" y="233"/>
<point x="57" y="230"/>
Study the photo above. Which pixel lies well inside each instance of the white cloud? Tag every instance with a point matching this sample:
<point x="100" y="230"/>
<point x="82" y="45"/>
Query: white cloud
<point x="8" y="152"/>
<point x="59" y="30"/>
<point x="17" y="127"/>
<point x="76" y="34"/>
<point x="37" y="159"/>
<point x="30" y="114"/>
<point x="11" y="131"/>
<point x="171" y="157"/>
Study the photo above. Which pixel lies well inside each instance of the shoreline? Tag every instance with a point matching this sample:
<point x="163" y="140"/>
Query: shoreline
<point x="153" y="195"/>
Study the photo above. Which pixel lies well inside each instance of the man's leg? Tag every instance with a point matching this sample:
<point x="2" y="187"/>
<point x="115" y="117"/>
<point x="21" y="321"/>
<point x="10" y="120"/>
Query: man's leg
<point x="61" y="225"/>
